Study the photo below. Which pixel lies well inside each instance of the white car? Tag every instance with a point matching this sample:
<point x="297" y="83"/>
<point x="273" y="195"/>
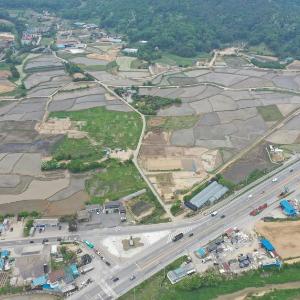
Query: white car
<point x="250" y="196"/>
<point x="214" y="213"/>
<point x="274" y="179"/>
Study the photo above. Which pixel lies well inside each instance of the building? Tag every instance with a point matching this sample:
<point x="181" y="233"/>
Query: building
<point x="83" y="216"/>
<point x="93" y="207"/>
<point x="39" y="281"/>
<point x="288" y="208"/>
<point x="181" y="272"/>
<point x="269" y="263"/>
<point x="113" y="206"/>
<point x="46" y="222"/>
<point x="210" y="194"/>
<point x="267" y="245"/>
<point x="130" y="50"/>
<point x="201" y="252"/>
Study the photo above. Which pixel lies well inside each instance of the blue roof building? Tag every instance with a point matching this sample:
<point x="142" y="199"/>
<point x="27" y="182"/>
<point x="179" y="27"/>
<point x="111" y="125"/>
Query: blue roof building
<point x="267" y="245"/>
<point x="288" y="208"/>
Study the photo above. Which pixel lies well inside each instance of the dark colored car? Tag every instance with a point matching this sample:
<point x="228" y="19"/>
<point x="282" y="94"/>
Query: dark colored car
<point x="45" y="241"/>
<point x="223" y="216"/>
<point x="191" y="234"/>
<point x="115" y="279"/>
<point x="108" y="263"/>
<point x="31" y="242"/>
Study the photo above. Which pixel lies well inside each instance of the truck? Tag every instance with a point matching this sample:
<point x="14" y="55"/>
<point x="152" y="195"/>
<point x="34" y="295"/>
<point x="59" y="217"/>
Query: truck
<point x="89" y="244"/>
<point x="177" y="237"/>
<point x="86" y="269"/>
<point x="258" y="210"/>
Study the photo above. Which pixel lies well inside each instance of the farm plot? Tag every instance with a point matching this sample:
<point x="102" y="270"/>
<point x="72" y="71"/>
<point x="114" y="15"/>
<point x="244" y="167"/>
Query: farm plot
<point x="285" y="237"/>
<point x="85" y="61"/>
<point x="43" y="77"/>
<point x="43" y="63"/>
<point x="6" y="86"/>
<point x="113" y="80"/>
<point x="221" y="123"/>
<point x="124" y="62"/>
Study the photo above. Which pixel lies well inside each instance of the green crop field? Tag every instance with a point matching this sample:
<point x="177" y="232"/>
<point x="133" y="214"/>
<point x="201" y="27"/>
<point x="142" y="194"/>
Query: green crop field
<point x="270" y="113"/>
<point x="108" y="128"/>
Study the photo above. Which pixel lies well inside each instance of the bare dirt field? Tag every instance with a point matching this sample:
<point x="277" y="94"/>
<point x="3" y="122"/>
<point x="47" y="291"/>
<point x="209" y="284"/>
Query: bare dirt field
<point x="6" y="86"/>
<point x="285" y="236"/>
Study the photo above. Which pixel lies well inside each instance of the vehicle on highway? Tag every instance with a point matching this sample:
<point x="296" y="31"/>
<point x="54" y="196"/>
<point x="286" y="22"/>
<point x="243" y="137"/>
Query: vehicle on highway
<point x="115" y="279"/>
<point x="291" y="170"/>
<point x="250" y="196"/>
<point x="45" y="241"/>
<point x="89" y="244"/>
<point x="275" y="179"/>
<point x="177" y="237"/>
<point x="132" y="277"/>
<point x="214" y="213"/>
<point x="108" y="263"/>
<point x="191" y="234"/>
<point x="222" y="216"/>
<point x="59" y="239"/>
<point x="31" y="242"/>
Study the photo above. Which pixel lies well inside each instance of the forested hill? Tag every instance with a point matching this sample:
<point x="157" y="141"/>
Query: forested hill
<point x="186" y="27"/>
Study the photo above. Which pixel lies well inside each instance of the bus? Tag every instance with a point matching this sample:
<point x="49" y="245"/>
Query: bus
<point x="89" y="244"/>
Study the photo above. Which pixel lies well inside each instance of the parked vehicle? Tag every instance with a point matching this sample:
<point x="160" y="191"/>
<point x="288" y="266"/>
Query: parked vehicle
<point x="86" y="269"/>
<point x="258" y="210"/>
<point x="191" y="234"/>
<point x="89" y="244"/>
<point x="177" y="237"/>
<point x="214" y="213"/>
<point x="132" y="277"/>
<point x="115" y="279"/>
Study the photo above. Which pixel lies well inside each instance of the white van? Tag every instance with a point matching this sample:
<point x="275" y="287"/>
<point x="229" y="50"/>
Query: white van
<point x="214" y="213"/>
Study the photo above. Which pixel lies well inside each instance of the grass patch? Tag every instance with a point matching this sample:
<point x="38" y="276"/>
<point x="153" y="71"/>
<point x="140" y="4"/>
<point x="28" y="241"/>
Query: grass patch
<point x="69" y="149"/>
<point x="270" y="113"/>
<point x="139" y="64"/>
<point x="173" y="123"/>
<point x="108" y="128"/>
<point x="284" y="294"/>
<point x="4" y="67"/>
<point x="210" y="285"/>
<point x="46" y="41"/>
<point x="94" y="68"/>
<point x="267" y="64"/>
<point x="175" y="60"/>
<point x="118" y="180"/>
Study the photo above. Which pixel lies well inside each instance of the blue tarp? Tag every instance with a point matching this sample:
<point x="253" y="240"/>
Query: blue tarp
<point x="74" y="270"/>
<point x="288" y="208"/>
<point x="39" y="281"/>
<point x="1" y="263"/>
<point x="5" y="253"/>
<point x="201" y="252"/>
<point x="267" y="245"/>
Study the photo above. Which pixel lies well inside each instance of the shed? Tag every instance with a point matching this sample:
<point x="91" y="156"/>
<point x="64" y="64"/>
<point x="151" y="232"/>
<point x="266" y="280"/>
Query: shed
<point x="178" y="274"/>
<point x="5" y="253"/>
<point x="267" y="245"/>
<point x="288" y="208"/>
<point x="211" y="193"/>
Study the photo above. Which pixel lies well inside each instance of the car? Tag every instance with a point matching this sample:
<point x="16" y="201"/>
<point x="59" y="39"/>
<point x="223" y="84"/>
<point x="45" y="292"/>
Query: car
<point x="250" y="196"/>
<point x="214" y="213"/>
<point x="132" y="277"/>
<point x="191" y="234"/>
<point x="31" y="242"/>
<point x="59" y="239"/>
<point x="45" y="241"/>
<point x="275" y="179"/>
<point x="115" y="279"/>
<point x="222" y="216"/>
<point x="291" y="170"/>
<point x="108" y="263"/>
<point x="98" y="212"/>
